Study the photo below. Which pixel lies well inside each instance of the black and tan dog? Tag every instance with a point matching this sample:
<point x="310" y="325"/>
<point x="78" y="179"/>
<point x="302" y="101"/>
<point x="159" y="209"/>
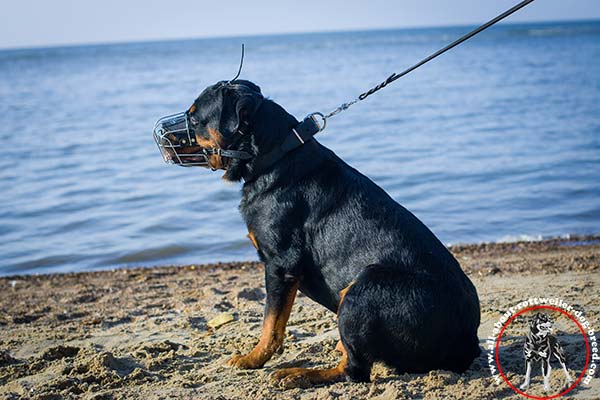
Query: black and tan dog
<point x="323" y="228"/>
<point x="540" y="345"/>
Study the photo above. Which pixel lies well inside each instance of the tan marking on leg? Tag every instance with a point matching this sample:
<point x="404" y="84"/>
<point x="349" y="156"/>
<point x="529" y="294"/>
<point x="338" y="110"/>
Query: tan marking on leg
<point x="252" y="238"/>
<point x="343" y="294"/>
<point x="303" y="377"/>
<point x="271" y="339"/>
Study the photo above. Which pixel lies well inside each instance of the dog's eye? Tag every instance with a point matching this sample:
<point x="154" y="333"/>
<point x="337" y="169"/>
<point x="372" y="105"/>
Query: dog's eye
<point x="193" y="120"/>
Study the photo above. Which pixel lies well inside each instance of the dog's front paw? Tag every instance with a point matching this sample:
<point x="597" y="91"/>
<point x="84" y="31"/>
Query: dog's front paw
<point x="569" y="382"/>
<point x="546" y="388"/>
<point x="245" y="362"/>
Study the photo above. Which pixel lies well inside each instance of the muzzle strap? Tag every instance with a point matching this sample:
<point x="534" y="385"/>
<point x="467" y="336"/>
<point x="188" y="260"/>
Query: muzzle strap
<point x="242" y="155"/>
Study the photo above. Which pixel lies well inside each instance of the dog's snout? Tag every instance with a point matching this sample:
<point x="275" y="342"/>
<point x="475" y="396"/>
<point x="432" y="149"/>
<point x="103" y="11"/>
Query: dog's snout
<point x="177" y="142"/>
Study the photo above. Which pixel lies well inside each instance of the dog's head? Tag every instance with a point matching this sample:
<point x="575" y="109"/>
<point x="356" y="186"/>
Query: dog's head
<point x="541" y="324"/>
<point x="218" y="120"/>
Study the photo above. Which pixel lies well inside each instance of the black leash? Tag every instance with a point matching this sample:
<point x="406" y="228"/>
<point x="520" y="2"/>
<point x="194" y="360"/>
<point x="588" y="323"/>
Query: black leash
<point x="395" y="76"/>
<point x="316" y="122"/>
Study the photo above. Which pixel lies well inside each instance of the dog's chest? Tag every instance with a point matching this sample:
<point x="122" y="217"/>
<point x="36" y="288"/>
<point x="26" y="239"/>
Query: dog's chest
<point x="312" y="282"/>
<point x="534" y="346"/>
<point x="320" y="291"/>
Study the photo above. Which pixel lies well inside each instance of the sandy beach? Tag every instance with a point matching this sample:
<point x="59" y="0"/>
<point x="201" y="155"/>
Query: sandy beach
<point x="144" y="332"/>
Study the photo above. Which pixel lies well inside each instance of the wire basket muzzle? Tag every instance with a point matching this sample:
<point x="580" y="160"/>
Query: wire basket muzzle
<point x="177" y="143"/>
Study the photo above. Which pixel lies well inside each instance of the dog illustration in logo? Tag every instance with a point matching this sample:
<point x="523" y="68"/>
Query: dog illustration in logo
<point x="541" y="345"/>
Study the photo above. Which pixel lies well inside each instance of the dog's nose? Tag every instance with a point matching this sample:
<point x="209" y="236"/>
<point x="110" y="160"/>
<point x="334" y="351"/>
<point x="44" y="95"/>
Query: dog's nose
<point x="170" y="133"/>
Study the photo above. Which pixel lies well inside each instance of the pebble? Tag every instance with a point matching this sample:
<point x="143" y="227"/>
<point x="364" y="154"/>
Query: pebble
<point x="220" y="320"/>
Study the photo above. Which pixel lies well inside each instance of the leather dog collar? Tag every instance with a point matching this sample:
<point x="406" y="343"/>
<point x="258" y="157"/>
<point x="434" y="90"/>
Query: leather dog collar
<point x="300" y="134"/>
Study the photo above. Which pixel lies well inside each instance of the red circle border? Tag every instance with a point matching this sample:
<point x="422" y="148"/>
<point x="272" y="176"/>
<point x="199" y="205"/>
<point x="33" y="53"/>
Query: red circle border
<point x="587" y="352"/>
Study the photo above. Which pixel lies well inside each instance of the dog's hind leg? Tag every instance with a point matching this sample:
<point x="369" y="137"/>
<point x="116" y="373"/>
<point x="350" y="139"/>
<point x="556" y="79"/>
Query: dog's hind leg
<point x="525" y="384"/>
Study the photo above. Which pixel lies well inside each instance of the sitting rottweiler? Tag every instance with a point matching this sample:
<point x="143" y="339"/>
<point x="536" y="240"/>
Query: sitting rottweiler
<point x="540" y="345"/>
<point x="321" y="227"/>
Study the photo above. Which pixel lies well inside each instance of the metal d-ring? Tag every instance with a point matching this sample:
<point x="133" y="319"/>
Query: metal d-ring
<point x="315" y="117"/>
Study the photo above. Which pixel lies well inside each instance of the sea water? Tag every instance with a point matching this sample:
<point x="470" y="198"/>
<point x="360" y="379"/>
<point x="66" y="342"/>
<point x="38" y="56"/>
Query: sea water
<point x="497" y="140"/>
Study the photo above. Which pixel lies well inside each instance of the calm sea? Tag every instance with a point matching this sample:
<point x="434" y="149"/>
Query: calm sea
<point x="497" y="140"/>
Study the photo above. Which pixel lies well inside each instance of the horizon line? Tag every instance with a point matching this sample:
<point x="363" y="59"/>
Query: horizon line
<point x="289" y="33"/>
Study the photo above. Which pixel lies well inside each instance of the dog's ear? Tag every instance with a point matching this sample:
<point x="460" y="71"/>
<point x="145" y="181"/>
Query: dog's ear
<point x="533" y="321"/>
<point x="245" y="109"/>
<point x="242" y="100"/>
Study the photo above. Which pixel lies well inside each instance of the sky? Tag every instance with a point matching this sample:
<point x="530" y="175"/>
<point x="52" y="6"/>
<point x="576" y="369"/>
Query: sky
<point x="36" y="23"/>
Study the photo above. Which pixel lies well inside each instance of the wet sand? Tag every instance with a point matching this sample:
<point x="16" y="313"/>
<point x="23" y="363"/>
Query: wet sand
<point x="144" y="332"/>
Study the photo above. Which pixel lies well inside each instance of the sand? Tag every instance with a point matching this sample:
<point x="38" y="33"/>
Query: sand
<point x="144" y="333"/>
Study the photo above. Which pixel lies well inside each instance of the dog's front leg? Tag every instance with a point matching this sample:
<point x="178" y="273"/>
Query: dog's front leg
<point x="281" y="292"/>
<point x="546" y="369"/>
<point x="525" y="384"/>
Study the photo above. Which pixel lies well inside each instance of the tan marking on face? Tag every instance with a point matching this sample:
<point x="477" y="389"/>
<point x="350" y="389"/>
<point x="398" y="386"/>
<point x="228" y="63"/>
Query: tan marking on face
<point x="208" y="143"/>
<point x="216" y="136"/>
<point x="215" y="162"/>
<point x="214" y="141"/>
<point x="192" y="109"/>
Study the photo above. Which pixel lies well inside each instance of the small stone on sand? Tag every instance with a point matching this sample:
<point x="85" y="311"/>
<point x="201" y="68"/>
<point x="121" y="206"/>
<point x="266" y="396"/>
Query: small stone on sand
<point x="220" y="320"/>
